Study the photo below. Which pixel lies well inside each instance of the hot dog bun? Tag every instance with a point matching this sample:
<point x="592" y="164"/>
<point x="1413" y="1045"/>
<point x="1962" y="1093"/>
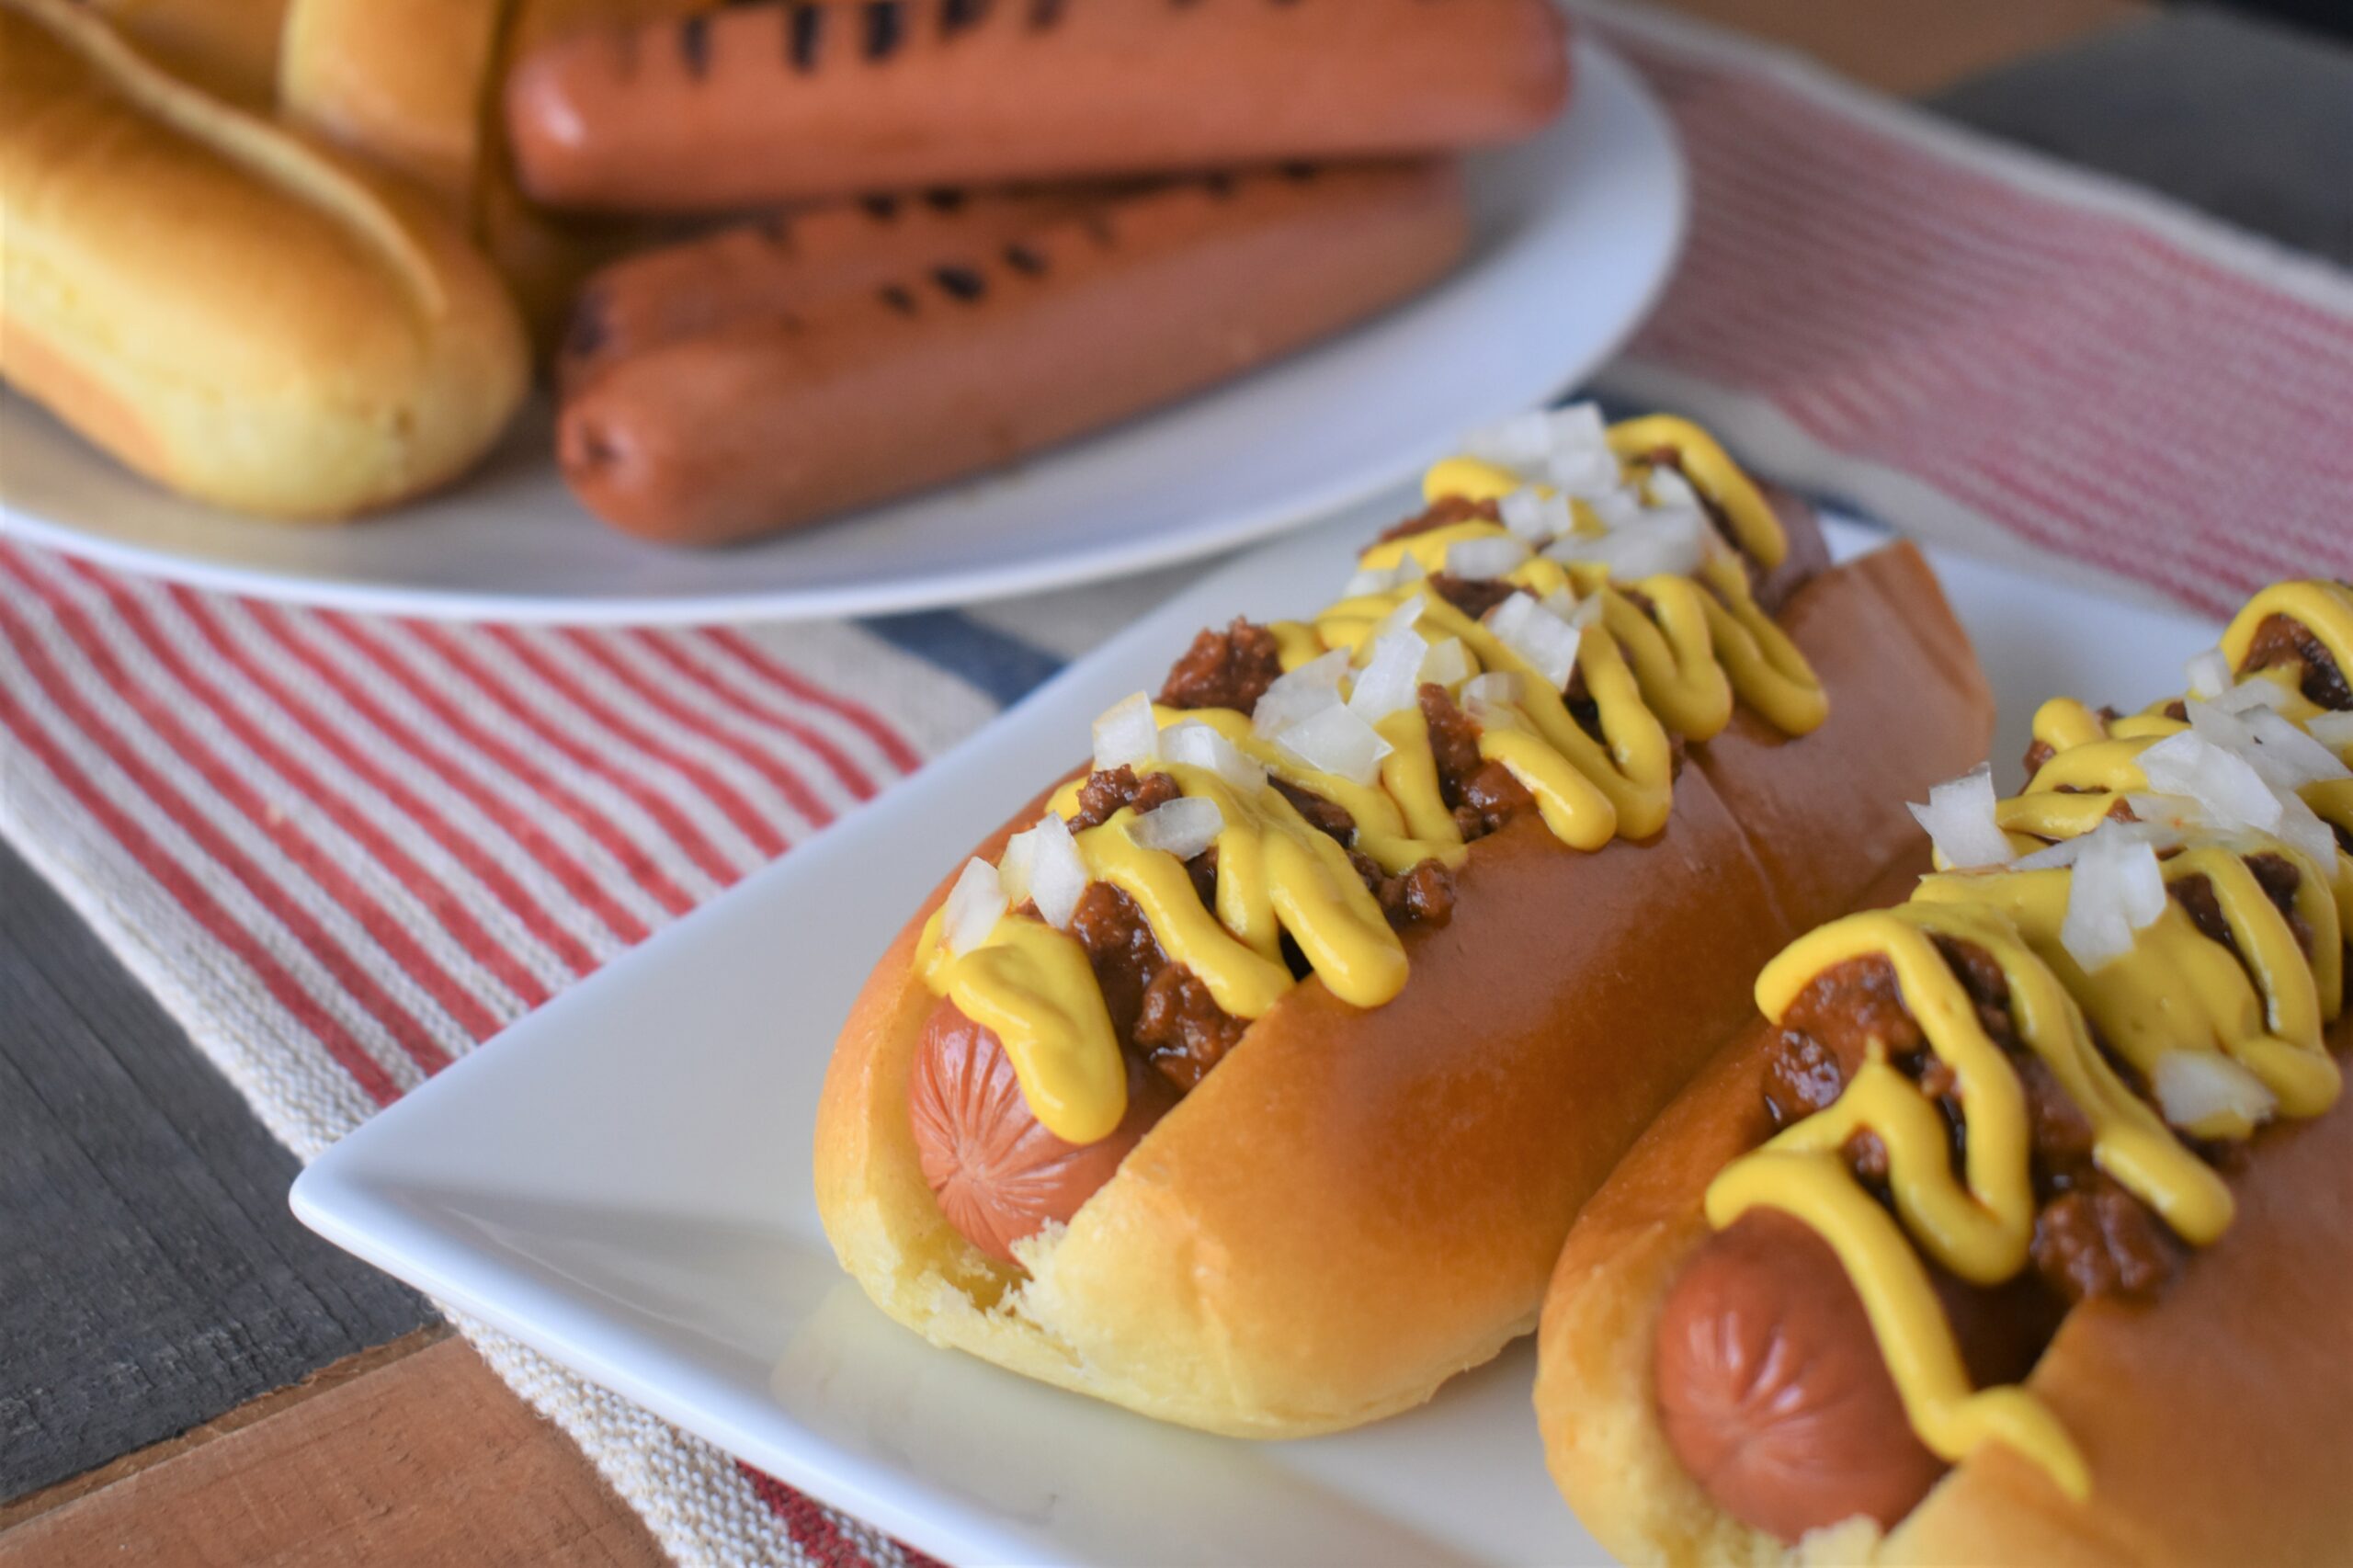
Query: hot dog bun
<point x="144" y="220"/>
<point x="228" y="48"/>
<point x="1356" y="1205"/>
<point x="401" y="82"/>
<point x="768" y="103"/>
<point x="988" y="353"/>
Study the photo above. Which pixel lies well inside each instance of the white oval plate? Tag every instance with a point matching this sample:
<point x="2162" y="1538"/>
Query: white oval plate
<point x="1576" y="232"/>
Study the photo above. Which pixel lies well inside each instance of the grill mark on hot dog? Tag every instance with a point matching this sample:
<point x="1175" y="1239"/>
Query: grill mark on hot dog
<point x="1024" y="260"/>
<point x="884" y="29"/>
<point x="898" y="299"/>
<point x="804" y="26"/>
<point x="1301" y="172"/>
<point x="882" y="209"/>
<point x="963" y="283"/>
<point x="947" y="198"/>
<point x="955" y="16"/>
<point x="1044" y="14"/>
<point x="777" y="229"/>
<point x="1220" y="185"/>
<point x="694" y="44"/>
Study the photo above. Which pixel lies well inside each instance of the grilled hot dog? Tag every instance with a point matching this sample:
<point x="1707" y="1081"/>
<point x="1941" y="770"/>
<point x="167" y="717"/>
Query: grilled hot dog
<point x="756" y="274"/>
<point x="766" y="103"/>
<point x="994" y="350"/>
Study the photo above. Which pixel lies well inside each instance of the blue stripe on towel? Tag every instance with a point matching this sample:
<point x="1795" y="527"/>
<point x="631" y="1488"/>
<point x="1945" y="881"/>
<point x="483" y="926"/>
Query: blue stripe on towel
<point x="1002" y="666"/>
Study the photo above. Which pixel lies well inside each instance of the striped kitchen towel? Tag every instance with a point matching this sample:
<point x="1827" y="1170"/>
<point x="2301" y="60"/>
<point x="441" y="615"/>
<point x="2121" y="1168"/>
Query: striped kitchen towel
<point x="343" y="851"/>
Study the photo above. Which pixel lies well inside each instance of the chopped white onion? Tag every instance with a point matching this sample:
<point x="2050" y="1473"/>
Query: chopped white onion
<point x="1960" y="823"/>
<point x="1546" y="642"/>
<point x="2176" y="814"/>
<point x="1307" y="690"/>
<point x="1446" y="663"/>
<point x="2333" y="730"/>
<point x="1493" y="694"/>
<point x="1057" y="872"/>
<point x="2225" y="786"/>
<point x="1580" y="462"/>
<point x="2209" y="673"/>
<point x="1404" y="618"/>
<point x="1184" y="827"/>
<point x="1127" y="733"/>
<point x="2116" y="887"/>
<point x="2291" y="758"/>
<point x="1521" y="439"/>
<point x="974" y="906"/>
<point x="1570" y="611"/>
<point x="1333" y="740"/>
<point x="1485" y="557"/>
<point x="1534" y="516"/>
<point x="1385" y="579"/>
<point x="2208" y="1094"/>
<point x="1197" y="744"/>
<point x="2225" y="779"/>
<point x="1013" y="866"/>
<point x="2253" y="692"/>
<point x="1391" y="679"/>
<point x="1670" y="491"/>
<point x="1577" y="427"/>
<point x="1617" y="508"/>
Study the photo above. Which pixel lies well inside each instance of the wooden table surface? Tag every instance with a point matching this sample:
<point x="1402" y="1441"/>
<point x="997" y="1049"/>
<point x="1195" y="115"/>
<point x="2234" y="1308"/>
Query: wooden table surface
<point x="414" y="1452"/>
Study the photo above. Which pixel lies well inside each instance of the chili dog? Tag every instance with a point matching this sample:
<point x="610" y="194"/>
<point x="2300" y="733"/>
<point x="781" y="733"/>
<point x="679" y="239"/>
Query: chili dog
<point x="992" y="351"/>
<point x="2028" y="1213"/>
<point x="753" y="274"/>
<point x="1250" y="1077"/>
<point x="760" y="104"/>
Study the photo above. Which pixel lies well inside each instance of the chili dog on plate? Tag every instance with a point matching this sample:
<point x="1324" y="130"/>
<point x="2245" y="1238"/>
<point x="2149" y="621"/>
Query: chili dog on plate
<point x="728" y="109"/>
<point x="1251" y="1077"/>
<point x="995" y="346"/>
<point x="2022" y="1230"/>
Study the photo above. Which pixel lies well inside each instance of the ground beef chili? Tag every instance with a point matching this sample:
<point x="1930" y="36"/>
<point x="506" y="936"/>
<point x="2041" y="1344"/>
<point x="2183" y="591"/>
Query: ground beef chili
<point x="1322" y="814"/>
<point x="2282" y="640"/>
<point x="1474" y="596"/>
<point x="1440" y="513"/>
<point x="2039" y="752"/>
<point x="1106" y="790"/>
<point x="1482" y="795"/>
<point x="2092" y="1237"/>
<point x="1180" y="1028"/>
<point x="1232" y="668"/>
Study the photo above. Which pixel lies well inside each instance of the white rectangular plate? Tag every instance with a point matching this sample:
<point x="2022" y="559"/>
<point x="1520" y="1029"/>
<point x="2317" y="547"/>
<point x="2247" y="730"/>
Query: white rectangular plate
<point x="622" y="1179"/>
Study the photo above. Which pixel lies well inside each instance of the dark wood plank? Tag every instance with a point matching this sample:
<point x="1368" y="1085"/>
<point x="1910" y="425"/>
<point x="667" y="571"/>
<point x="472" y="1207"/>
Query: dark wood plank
<point x="429" y="1459"/>
<point x="152" y="1277"/>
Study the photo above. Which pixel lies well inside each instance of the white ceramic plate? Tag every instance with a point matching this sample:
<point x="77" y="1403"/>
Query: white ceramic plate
<point x="1576" y="232"/>
<point x="622" y="1179"/>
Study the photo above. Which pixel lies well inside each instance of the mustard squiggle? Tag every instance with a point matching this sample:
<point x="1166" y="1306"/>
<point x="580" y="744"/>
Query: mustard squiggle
<point x="1665" y="654"/>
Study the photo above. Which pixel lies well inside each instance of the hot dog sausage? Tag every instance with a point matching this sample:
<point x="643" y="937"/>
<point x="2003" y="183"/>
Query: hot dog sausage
<point x="766" y="103"/>
<point x="999" y="353"/>
<point x="999" y="1175"/>
<point x="757" y="272"/>
<point x="1773" y="1392"/>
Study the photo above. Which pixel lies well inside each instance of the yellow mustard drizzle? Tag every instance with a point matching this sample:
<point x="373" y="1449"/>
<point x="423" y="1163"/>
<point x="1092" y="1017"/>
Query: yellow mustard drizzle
<point x="1680" y="666"/>
<point x="2266" y="1006"/>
